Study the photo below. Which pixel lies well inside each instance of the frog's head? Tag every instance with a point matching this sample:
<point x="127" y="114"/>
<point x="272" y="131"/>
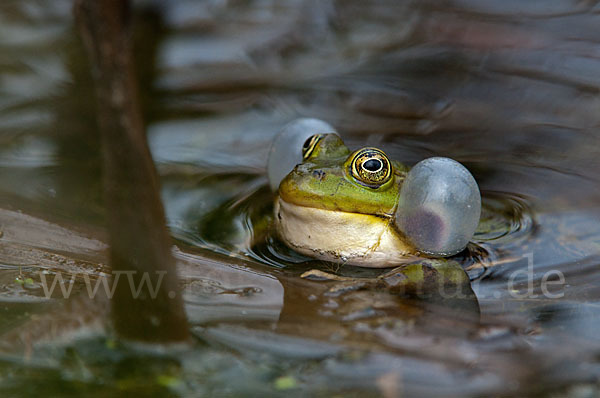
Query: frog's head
<point x="331" y="177"/>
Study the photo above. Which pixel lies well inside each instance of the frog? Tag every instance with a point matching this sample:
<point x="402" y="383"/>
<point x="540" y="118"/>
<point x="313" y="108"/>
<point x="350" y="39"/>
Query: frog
<point x="338" y="205"/>
<point x="362" y="208"/>
<point x="350" y="207"/>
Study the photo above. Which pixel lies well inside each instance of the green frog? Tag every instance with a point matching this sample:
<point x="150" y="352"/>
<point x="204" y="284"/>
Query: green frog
<point x="339" y="206"/>
<point x="361" y="208"/>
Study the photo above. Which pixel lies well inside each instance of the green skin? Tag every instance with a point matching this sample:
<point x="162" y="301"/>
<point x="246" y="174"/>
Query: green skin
<point x="324" y="181"/>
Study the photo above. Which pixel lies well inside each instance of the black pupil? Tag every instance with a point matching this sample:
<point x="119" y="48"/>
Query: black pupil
<point x="372" y="165"/>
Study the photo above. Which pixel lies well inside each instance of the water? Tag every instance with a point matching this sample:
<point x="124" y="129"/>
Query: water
<point x="511" y="92"/>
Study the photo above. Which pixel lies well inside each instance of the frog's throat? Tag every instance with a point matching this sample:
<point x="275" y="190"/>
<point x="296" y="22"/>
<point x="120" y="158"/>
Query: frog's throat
<point x="351" y="238"/>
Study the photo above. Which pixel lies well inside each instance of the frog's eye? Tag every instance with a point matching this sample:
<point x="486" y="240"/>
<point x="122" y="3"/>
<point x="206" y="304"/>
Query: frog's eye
<point x="310" y="144"/>
<point x="370" y="167"/>
<point x="287" y="149"/>
<point x="439" y="206"/>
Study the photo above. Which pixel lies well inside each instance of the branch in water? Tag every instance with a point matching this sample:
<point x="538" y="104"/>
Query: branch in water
<point x="139" y="241"/>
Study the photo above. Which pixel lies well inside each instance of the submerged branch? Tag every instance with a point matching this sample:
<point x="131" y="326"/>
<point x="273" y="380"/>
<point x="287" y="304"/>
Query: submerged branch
<point x="139" y="242"/>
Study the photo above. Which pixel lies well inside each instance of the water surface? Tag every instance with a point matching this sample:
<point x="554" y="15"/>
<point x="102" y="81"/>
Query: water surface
<point x="511" y="91"/>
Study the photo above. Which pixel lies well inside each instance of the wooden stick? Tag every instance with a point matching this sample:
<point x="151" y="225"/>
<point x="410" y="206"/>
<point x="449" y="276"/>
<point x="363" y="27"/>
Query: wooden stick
<point x="140" y="246"/>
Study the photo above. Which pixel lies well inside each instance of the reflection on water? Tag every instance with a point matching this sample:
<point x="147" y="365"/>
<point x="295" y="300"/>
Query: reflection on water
<point x="510" y="91"/>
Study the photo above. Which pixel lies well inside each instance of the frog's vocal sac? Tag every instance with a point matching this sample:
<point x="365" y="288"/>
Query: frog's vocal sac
<point x="362" y="208"/>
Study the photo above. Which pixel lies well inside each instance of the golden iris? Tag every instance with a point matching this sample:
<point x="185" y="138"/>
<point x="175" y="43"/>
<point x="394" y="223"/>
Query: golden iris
<point x="371" y="167"/>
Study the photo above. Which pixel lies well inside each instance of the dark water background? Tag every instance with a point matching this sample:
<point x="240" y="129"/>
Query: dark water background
<point x="511" y="89"/>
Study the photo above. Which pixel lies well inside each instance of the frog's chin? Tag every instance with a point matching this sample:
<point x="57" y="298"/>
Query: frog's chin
<point x="349" y="238"/>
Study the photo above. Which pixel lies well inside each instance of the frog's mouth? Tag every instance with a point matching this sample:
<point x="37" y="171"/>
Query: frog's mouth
<point x="353" y="238"/>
